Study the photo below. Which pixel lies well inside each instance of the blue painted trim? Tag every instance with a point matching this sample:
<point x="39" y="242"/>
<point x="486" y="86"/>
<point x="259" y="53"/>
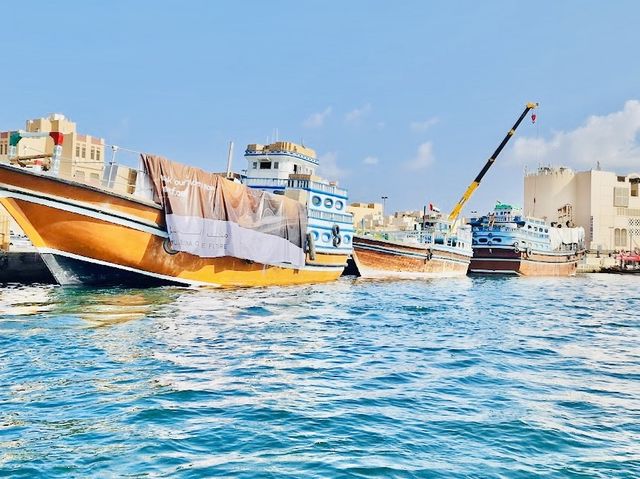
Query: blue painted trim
<point x="312" y="225"/>
<point x="332" y="195"/>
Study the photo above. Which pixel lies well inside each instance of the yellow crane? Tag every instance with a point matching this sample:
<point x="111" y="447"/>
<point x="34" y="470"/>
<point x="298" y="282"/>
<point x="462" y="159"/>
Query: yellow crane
<point x="455" y="212"/>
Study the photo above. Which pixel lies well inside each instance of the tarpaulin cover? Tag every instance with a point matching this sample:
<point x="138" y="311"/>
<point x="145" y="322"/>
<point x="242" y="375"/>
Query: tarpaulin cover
<point x="566" y="236"/>
<point x="210" y="216"/>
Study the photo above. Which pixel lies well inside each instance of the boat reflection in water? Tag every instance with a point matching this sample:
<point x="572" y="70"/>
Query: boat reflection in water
<point x="107" y="307"/>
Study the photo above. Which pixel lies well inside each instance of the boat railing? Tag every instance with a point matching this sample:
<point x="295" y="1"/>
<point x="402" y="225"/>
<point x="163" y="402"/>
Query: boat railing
<point x="326" y="215"/>
<point x="115" y="177"/>
<point x="423" y="237"/>
<point x="266" y="182"/>
<point x="296" y="183"/>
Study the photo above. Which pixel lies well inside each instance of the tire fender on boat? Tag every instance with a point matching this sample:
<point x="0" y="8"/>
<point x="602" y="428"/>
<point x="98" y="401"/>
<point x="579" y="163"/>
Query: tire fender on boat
<point x="337" y="240"/>
<point x="166" y="245"/>
<point x="429" y="255"/>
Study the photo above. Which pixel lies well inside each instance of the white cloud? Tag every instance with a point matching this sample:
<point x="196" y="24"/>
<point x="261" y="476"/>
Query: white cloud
<point x="357" y="114"/>
<point x="370" y="160"/>
<point x="422" y="126"/>
<point x="316" y="120"/>
<point x="424" y="157"/>
<point x="610" y="139"/>
<point x="329" y="168"/>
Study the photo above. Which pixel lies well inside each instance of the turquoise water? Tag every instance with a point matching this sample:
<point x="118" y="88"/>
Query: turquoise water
<point x="475" y="378"/>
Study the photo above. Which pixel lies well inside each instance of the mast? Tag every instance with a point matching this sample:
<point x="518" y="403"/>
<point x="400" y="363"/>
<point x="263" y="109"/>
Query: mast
<point x="455" y="212"/>
<point x="229" y="159"/>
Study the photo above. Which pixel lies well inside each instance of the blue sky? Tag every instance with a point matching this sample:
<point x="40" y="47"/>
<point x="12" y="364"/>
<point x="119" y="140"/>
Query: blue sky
<point x="403" y="99"/>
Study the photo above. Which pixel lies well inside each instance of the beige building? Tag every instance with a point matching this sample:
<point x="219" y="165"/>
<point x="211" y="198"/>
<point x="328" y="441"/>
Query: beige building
<point x="605" y="204"/>
<point x="370" y="216"/>
<point x="366" y="215"/>
<point x="82" y="157"/>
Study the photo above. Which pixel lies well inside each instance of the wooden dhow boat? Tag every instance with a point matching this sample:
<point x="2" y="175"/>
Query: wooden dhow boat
<point x="507" y="242"/>
<point x="178" y="225"/>
<point x="435" y="250"/>
<point x="437" y="247"/>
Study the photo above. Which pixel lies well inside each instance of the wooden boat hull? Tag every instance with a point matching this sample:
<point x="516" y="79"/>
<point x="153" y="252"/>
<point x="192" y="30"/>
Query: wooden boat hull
<point x="376" y="258"/>
<point x="90" y="236"/>
<point x="492" y="260"/>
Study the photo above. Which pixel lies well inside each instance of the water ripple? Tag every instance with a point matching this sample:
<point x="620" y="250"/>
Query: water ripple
<point x="478" y="378"/>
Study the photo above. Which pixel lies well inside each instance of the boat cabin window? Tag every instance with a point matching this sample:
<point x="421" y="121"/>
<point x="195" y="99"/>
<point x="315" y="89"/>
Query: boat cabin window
<point x="482" y="240"/>
<point x="265" y="165"/>
<point x="255" y="165"/>
<point x="275" y="165"/>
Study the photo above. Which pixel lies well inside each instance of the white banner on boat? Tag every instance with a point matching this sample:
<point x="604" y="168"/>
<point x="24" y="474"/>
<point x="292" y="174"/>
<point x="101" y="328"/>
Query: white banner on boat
<point x="209" y="238"/>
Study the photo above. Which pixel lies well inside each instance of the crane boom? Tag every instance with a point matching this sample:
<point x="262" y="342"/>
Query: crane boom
<point x="455" y="212"/>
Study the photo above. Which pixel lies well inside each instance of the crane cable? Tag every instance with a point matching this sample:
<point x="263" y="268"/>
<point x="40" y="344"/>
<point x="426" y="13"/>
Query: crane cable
<point x="534" y="118"/>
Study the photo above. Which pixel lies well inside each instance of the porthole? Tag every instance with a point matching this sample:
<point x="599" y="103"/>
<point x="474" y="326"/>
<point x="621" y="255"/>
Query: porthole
<point x="339" y="205"/>
<point x="316" y="235"/>
<point x="346" y="239"/>
<point x="325" y="237"/>
<point x="328" y="202"/>
<point x="316" y="201"/>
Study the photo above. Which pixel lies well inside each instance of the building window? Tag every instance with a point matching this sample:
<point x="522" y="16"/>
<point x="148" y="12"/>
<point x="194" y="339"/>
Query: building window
<point x="620" y="237"/>
<point x="634" y="188"/>
<point x="621" y="197"/>
<point x="621" y="179"/>
<point x="93" y="153"/>
<point x="265" y="165"/>
<point x="84" y="151"/>
<point x="79" y="175"/>
<point x="98" y="154"/>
